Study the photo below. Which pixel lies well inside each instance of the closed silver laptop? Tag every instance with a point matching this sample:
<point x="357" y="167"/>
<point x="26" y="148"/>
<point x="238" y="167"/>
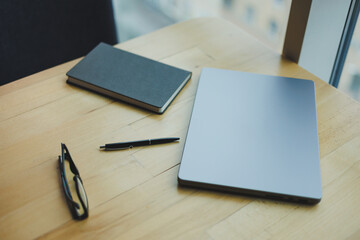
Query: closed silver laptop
<point x="253" y="134"/>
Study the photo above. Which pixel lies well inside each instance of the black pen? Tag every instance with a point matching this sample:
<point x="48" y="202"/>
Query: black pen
<point x="126" y="145"/>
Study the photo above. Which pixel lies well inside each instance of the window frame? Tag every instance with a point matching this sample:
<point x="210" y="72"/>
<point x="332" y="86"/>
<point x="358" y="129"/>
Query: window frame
<point x="313" y="43"/>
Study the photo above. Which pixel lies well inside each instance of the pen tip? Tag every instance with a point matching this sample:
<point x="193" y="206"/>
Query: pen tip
<point x="102" y="147"/>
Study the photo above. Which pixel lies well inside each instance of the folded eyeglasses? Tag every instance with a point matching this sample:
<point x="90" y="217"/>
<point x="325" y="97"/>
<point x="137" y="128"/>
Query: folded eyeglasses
<point x="73" y="187"/>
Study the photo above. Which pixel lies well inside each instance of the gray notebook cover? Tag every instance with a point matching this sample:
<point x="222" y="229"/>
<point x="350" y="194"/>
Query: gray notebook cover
<point x="253" y="134"/>
<point x="129" y="77"/>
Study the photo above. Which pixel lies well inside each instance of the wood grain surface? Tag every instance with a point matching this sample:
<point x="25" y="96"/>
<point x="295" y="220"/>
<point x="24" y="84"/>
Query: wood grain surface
<point x="133" y="194"/>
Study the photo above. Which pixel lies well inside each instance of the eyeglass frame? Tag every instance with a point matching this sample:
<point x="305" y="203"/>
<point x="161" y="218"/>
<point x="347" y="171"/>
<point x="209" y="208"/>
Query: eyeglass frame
<point x="65" y="155"/>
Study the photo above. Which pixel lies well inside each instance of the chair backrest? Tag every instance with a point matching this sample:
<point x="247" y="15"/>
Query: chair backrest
<point x="38" y="34"/>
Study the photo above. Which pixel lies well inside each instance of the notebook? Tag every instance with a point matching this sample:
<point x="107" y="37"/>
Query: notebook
<point x="253" y="134"/>
<point x="129" y="77"/>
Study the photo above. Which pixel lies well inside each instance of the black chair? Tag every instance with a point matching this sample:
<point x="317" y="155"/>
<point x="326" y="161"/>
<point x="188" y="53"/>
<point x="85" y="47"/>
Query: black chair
<point x="38" y="34"/>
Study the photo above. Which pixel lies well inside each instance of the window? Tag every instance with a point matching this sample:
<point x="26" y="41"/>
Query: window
<point x="266" y="19"/>
<point x="350" y="77"/>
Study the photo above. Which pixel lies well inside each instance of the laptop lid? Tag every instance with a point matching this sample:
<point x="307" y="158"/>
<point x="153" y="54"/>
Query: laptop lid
<point x="253" y="134"/>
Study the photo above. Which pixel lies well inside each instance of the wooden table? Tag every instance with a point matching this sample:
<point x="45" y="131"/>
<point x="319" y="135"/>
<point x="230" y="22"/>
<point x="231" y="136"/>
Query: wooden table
<point x="133" y="194"/>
